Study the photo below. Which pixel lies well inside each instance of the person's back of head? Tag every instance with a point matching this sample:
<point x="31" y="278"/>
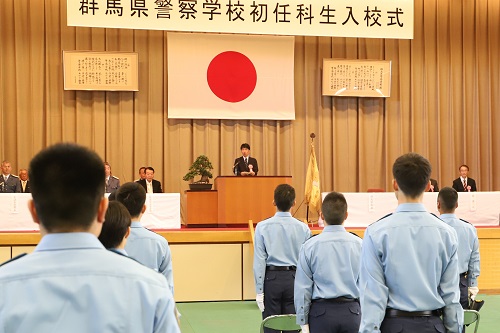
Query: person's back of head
<point x="447" y="200"/>
<point x="284" y="197"/>
<point x="67" y="185"/>
<point x="412" y="173"/>
<point x="117" y="222"/>
<point x="334" y="208"/>
<point x="133" y="196"/>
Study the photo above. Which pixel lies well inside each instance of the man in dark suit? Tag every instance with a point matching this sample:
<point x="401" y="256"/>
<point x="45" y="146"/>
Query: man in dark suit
<point x="150" y="185"/>
<point x="9" y="183"/>
<point x="434" y="186"/>
<point x="112" y="182"/>
<point x="245" y="165"/>
<point x="464" y="183"/>
<point x="25" y="183"/>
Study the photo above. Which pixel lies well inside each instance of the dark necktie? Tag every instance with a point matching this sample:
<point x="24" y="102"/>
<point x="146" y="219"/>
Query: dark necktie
<point x="246" y="161"/>
<point x="465" y="186"/>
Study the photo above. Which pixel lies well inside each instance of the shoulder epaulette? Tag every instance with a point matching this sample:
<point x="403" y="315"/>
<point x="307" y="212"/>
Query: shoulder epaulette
<point x="115" y="177"/>
<point x="436" y="216"/>
<point x="383" y="217"/>
<point x="14" y="176"/>
<point x="123" y="255"/>
<point x="15" y="258"/>
<point x="355" y="234"/>
<point x="465" y="221"/>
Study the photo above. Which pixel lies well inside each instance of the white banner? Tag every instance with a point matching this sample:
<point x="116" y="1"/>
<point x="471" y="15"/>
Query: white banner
<point x="340" y="18"/>
<point x="230" y="77"/>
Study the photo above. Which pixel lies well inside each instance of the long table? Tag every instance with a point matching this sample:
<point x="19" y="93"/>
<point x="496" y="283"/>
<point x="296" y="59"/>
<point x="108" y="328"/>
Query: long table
<point x="478" y="208"/>
<point x="162" y="212"/>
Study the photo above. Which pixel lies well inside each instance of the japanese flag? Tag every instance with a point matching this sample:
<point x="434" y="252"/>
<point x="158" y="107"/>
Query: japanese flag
<point x="212" y="76"/>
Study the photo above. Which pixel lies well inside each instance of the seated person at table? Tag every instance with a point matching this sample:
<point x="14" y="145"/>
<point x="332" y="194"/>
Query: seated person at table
<point x="70" y="283"/>
<point x="464" y="183"/>
<point x="116" y="227"/>
<point x="434" y="186"/>
<point x="150" y="184"/>
<point x="245" y="165"/>
<point x="145" y="246"/>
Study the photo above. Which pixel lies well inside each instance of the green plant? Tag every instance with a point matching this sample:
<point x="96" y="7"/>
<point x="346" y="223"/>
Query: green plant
<point x="201" y="166"/>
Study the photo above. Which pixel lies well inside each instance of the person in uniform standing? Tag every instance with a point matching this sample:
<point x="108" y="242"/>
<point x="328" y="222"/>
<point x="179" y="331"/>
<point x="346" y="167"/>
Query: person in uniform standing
<point x="409" y="262"/>
<point x="326" y="283"/>
<point x="276" y="252"/>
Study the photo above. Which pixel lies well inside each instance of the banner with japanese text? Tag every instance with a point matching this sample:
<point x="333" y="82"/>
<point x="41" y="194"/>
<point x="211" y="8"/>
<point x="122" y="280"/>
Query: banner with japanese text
<point x="218" y="76"/>
<point x="340" y="18"/>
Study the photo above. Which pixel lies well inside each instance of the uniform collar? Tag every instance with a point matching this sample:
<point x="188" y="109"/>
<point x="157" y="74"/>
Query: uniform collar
<point x="333" y="228"/>
<point x="444" y="216"/>
<point x="136" y="224"/>
<point x="411" y="207"/>
<point x="283" y="214"/>
<point x="68" y="240"/>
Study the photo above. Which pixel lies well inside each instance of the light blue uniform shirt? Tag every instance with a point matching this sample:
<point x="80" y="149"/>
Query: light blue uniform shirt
<point x="71" y="283"/>
<point x="409" y="262"/>
<point x="151" y="250"/>
<point x="468" y="247"/>
<point x="277" y="242"/>
<point x="328" y="268"/>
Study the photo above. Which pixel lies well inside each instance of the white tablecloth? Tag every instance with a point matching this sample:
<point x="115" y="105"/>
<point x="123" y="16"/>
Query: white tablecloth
<point x="162" y="212"/>
<point x="478" y="208"/>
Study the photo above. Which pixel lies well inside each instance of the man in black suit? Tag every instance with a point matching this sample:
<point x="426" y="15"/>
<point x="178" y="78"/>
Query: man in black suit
<point x="25" y="183"/>
<point x="464" y="183"/>
<point x="150" y="185"/>
<point x="434" y="186"/>
<point x="245" y="165"/>
<point x="9" y="183"/>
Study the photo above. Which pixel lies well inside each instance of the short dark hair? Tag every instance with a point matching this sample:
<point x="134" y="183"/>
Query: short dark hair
<point x="149" y="168"/>
<point x="133" y="196"/>
<point x="334" y="208"/>
<point x="284" y="196"/>
<point x="116" y="223"/>
<point x="463" y="165"/>
<point x="448" y="197"/>
<point x="245" y="145"/>
<point x="141" y="169"/>
<point x="412" y="173"/>
<point x="64" y="199"/>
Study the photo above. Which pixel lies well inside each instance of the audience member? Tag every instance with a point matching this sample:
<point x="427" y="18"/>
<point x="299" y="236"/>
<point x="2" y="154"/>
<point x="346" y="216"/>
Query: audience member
<point x="326" y="282"/>
<point x="70" y="283"/>
<point x="25" y="183"/>
<point x="277" y="244"/>
<point x="464" y="183"/>
<point x="116" y="227"/>
<point x="468" y="245"/>
<point x="409" y="262"/>
<point x="245" y="165"/>
<point x="150" y="184"/>
<point x="112" y="182"/>
<point x="145" y="246"/>
<point x="8" y="182"/>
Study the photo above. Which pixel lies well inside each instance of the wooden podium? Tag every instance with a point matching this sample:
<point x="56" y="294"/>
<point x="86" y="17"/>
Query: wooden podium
<point x="246" y="198"/>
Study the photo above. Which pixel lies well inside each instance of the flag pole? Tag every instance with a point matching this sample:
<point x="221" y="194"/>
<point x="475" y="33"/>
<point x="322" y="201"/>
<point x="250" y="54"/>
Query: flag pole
<point x="312" y="136"/>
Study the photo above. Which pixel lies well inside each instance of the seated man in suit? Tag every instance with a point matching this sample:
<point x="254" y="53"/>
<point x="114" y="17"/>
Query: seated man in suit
<point x="245" y="165"/>
<point x="142" y="173"/>
<point x="150" y="184"/>
<point x="25" y="183"/>
<point x="9" y="183"/>
<point x="464" y="183"/>
<point x="112" y="182"/>
<point x="434" y="186"/>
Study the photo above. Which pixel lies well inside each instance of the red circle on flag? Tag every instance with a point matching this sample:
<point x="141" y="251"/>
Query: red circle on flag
<point x="231" y="76"/>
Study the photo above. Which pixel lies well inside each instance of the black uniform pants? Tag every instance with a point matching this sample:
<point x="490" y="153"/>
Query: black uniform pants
<point x="278" y="294"/>
<point x="431" y="324"/>
<point x="329" y="316"/>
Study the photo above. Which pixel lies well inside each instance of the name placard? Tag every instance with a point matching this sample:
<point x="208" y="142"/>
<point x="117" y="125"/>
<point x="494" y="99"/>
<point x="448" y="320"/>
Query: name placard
<point x="89" y="70"/>
<point x="356" y="78"/>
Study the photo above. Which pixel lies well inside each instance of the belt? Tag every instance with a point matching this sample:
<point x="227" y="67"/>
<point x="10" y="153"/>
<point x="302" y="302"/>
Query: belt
<point x="400" y="313"/>
<point x="464" y="275"/>
<point x="334" y="300"/>
<point x="281" y="268"/>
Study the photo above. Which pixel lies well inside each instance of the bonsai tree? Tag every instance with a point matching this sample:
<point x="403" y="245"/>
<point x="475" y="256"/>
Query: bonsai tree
<point x="202" y="167"/>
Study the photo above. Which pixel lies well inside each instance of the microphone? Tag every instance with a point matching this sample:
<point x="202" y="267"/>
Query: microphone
<point x="234" y="166"/>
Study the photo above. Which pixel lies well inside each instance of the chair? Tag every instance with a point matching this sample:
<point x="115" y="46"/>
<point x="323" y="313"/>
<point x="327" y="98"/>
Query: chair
<point x="471" y="317"/>
<point x="285" y="322"/>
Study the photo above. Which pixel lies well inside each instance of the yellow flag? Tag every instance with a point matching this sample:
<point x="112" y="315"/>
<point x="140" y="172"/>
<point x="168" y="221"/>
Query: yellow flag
<point x="312" y="193"/>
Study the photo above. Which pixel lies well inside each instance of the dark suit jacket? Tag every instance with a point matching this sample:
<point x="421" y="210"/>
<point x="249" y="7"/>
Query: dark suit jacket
<point x="13" y="184"/>
<point x="156" y="185"/>
<point x="240" y="165"/>
<point x="113" y="184"/>
<point x="457" y="185"/>
<point x="435" y="184"/>
<point x="27" y="188"/>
